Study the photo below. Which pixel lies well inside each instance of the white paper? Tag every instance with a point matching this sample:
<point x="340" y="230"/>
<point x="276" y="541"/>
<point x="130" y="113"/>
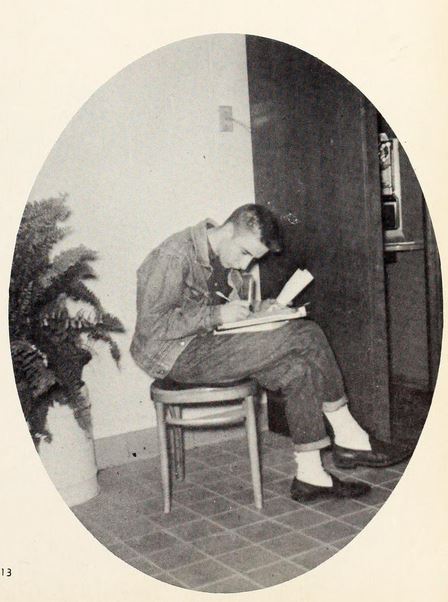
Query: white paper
<point x="298" y="281"/>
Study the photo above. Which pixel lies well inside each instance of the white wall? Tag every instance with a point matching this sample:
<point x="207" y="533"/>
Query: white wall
<point x="143" y="158"/>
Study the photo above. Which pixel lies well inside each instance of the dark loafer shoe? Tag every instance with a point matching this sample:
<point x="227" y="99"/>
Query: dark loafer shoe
<point x="305" y="492"/>
<point x="381" y="455"/>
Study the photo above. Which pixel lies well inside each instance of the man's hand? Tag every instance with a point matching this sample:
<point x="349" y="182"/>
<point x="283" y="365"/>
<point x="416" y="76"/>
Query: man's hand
<point x="234" y="311"/>
<point x="264" y="305"/>
<point x="268" y="306"/>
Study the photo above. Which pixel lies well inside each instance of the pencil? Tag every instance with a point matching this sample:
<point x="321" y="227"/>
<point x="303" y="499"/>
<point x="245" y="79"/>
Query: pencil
<point x="222" y="296"/>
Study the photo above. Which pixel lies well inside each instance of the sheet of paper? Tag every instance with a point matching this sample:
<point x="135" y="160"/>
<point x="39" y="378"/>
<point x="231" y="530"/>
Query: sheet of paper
<point x="298" y="281"/>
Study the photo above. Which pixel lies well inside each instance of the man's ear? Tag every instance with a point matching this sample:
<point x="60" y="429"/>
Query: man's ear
<point x="230" y="229"/>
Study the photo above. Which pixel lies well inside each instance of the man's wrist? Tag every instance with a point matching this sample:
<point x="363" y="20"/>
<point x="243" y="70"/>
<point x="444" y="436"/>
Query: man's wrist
<point x="214" y="317"/>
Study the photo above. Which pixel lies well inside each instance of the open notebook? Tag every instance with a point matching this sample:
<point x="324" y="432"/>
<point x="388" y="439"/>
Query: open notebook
<point x="267" y="321"/>
<point x="270" y="320"/>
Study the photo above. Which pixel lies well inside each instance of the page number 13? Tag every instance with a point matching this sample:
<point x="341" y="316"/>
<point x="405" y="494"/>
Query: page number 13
<point x="5" y="572"/>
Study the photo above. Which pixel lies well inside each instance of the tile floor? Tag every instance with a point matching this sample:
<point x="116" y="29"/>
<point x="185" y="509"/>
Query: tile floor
<point x="215" y="540"/>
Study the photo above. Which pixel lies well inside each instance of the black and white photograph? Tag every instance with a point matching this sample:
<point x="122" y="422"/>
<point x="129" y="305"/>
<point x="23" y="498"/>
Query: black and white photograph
<point x="225" y="314"/>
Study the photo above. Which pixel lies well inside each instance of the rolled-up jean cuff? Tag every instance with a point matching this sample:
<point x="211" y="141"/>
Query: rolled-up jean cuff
<point x="304" y="447"/>
<point x="332" y="406"/>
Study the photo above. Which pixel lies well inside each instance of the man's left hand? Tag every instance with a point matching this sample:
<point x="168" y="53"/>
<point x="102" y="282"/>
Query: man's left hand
<point x="268" y="305"/>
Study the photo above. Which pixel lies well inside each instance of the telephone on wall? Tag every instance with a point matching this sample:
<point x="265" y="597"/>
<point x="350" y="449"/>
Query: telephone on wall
<point x="391" y="197"/>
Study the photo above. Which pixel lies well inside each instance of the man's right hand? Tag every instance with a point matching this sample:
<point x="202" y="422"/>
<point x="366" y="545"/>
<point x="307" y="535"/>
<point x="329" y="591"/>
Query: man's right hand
<point x="234" y="311"/>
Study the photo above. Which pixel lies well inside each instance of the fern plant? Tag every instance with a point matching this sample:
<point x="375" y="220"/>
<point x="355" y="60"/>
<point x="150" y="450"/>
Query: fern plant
<point x="50" y="347"/>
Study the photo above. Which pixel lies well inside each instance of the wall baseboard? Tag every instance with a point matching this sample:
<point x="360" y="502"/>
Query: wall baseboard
<point x="138" y="445"/>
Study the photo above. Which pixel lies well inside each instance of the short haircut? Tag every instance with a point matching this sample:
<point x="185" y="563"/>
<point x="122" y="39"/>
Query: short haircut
<point x="260" y="221"/>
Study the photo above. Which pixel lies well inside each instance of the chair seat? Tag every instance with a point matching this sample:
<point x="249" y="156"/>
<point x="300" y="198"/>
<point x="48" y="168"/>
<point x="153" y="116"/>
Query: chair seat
<point x="167" y="384"/>
<point x="172" y="392"/>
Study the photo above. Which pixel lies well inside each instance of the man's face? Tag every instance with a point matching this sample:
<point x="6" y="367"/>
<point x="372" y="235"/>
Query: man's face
<point x="237" y="252"/>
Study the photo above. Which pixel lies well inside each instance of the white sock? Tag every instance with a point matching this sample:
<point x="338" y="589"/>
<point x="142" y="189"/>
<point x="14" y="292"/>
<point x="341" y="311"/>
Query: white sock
<point x="310" y="469"/>
<point x="347" y="432"/>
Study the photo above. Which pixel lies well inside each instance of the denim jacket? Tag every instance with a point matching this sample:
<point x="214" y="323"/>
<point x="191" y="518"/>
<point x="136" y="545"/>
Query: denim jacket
<point x="173" y="301"/>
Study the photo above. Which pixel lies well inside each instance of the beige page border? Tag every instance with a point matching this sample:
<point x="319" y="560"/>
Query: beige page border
<point x="55" y="54"/>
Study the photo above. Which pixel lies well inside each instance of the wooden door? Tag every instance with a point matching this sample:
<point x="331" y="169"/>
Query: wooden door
<point x="314" y="139"/>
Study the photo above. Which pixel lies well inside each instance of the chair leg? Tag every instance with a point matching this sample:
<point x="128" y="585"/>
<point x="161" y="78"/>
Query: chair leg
<point x="164" y="461"/>
<point x="179" y="455"/>
<point x="172" y="451"/>
<point x="251" y="428"/>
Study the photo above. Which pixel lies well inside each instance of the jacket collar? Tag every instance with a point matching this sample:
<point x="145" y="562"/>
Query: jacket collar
<point x="200" y="241"/>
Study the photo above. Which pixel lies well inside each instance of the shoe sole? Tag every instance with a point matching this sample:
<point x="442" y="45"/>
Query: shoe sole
<point x="352" y="464"/>
<point x="329" y="494"/>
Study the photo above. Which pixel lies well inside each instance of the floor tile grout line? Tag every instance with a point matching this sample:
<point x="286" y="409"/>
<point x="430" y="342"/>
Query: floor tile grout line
<point x="374" y="486"/>
<point x="188" y="564"/>
<point x="256" y="510"/>
<point x="267" y="566"/>
<point x="234" y="574"/>
<point x="263" y="542"/>
<point x="336" y="541"/>
<point x="328" y="518"/>
<point x="260" y="543"/>
<point x="226" y="474"/>
<point x="209" y="582"/>
<point x="378" y="505"/>
<point x="233" y="530"/>
<point x="250" y="543"/>
<point x="210" y="557"/>
<point x="285" y="558"/>
<point x="218" y="494"/>
<point x="262" y="518"/>
<point x="138" y="556"/>
<point x="160" y="529"/>
<point x="359" y="512"/>
<point x="199" y="516"/>
<point x="213" y="558"/>
<point x="191" y="543"/>
<point x="244" y="574"/>
<point x="243" y="478"/>
<point x="301" y="531"/>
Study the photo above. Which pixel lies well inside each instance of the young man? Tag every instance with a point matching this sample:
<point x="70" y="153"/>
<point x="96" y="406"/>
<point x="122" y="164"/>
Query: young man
<point x="178" y="309"/>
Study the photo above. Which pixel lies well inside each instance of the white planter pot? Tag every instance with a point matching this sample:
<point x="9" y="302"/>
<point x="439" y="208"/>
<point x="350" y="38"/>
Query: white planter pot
<point x="69" y="458"/>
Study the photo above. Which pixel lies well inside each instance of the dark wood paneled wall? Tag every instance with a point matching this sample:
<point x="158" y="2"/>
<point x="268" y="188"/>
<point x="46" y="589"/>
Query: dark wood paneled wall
<point x="315" y="163"/>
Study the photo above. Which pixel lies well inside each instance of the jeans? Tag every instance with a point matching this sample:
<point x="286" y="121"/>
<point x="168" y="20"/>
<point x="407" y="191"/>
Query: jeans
<point x="296" y="359"/>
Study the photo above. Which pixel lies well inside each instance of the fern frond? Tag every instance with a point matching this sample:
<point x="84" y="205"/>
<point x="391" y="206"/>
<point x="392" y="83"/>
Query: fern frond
<point x="39" y="232"/>
<point x="99" y="335"/>
<point x="68" y="259"/>
<point x="111" y="323"/>
<point x="64" y="283"/>
<point x="78" y="291"/>
<point x="33" y="377"/>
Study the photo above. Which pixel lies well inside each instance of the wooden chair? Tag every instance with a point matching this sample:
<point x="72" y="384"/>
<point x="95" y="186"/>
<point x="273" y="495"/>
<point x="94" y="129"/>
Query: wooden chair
<point x="172" y="396"/>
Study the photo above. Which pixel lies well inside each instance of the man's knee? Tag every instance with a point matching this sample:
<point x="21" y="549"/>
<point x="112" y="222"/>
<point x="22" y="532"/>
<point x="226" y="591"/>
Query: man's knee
<point x="306" y="335"/>
<point x="307" y="328"/>
<point x="294" y="336"/>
